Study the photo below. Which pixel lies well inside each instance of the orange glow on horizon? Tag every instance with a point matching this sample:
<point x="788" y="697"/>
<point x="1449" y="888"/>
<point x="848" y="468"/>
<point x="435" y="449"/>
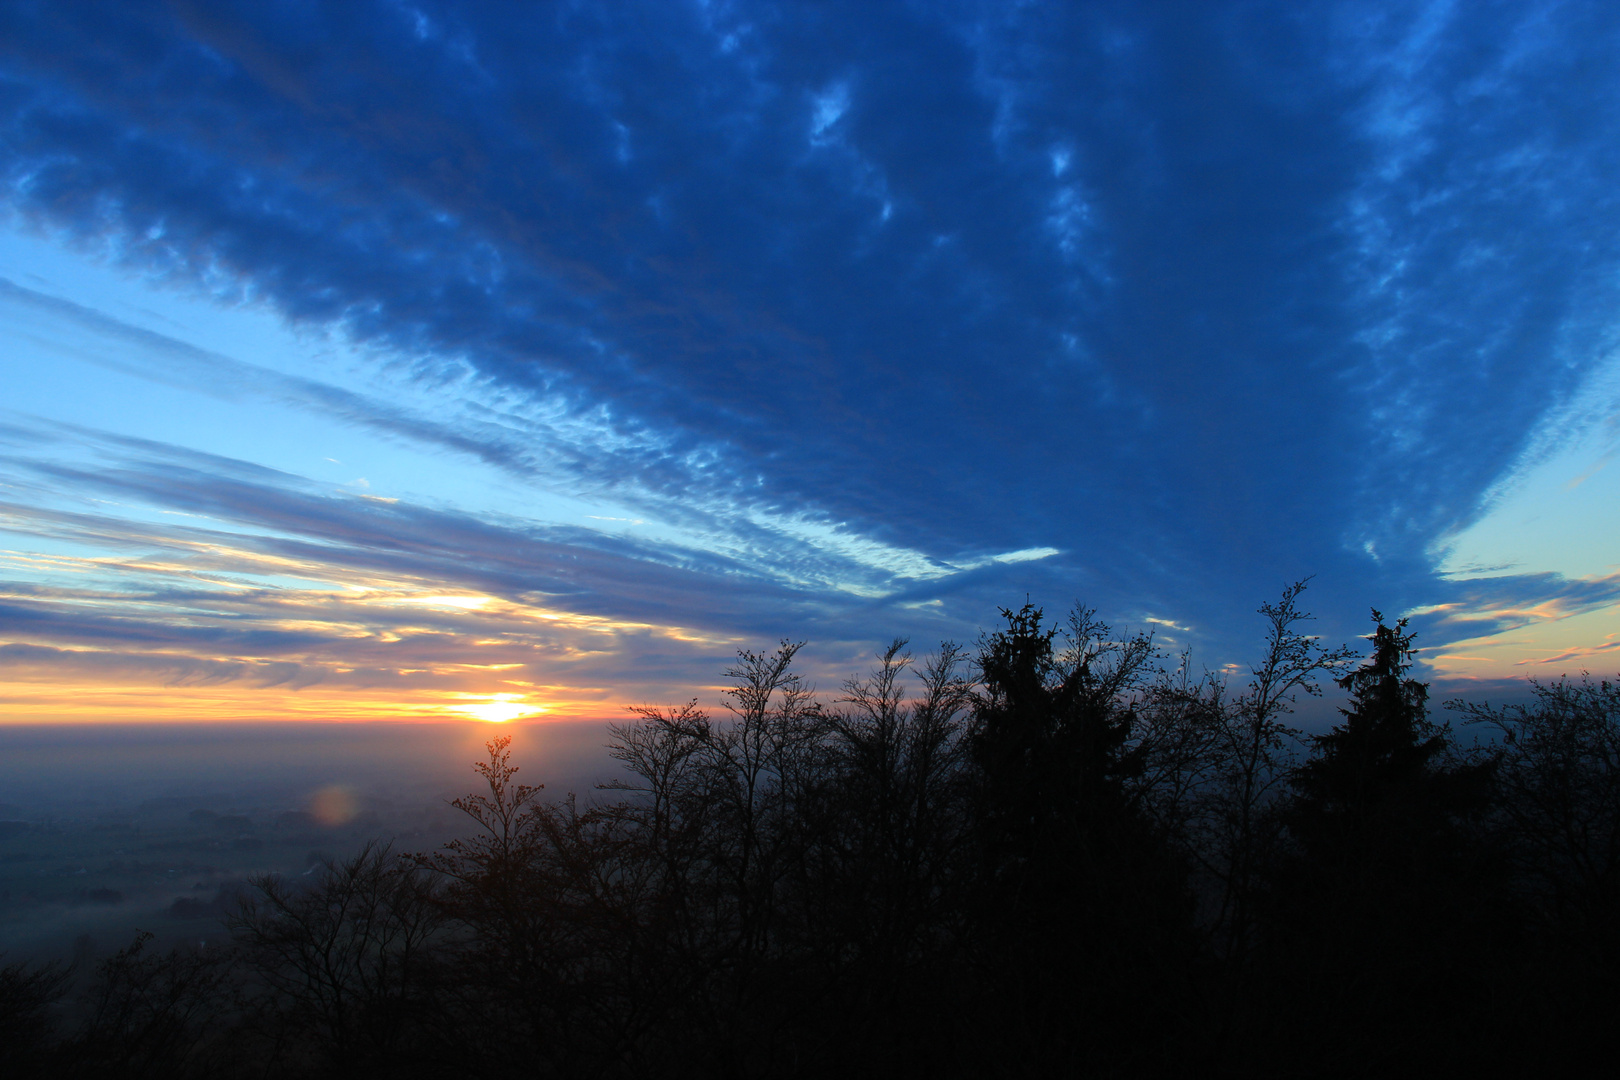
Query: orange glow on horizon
<point x="499" y="708"/>
<point x="77" y="702"/>
<point x="338" y="645"/>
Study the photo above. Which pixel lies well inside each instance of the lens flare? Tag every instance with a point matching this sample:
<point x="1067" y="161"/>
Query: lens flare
<point x="334" y="805"/>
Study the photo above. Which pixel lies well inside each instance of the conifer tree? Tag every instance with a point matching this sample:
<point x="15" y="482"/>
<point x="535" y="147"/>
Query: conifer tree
<point x="1386" y="744"/>
<point x="1387" y="891"/>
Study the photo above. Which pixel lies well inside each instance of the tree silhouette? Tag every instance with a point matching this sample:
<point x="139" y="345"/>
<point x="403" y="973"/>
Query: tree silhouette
<point x="348" y="958"/>
<point x="1389" y="886"/>
<point x="154" y="1014"/>
<point x="1558" y="807"/>
<point x="1059" y="855"/>
<point x="1231" y="759"/>
<point x="28" y="993"/>
<point x="1051" y="733"/>
<point x="1386" y="745"/>
<point x="1082" y="915"/>
<point x="1559" y="777"/>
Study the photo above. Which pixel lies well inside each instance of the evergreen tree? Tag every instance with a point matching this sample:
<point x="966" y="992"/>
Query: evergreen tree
<point x="1052" y="729"/>
<point x="1385" y="750"/>
<point x="1082" y="924"/>
<point x="1378" y="910"/>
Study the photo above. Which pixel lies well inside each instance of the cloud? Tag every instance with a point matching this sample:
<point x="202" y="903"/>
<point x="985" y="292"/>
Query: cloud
<point x="1500" y="627"/>
<point x="863" y="308"/>
<point x="265" y="580"/>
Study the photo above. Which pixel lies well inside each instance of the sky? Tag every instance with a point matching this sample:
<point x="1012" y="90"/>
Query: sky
<point x="410" y="360"/>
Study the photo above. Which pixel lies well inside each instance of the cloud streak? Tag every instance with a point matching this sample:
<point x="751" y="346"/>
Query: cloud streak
<point x="811" y="315"/>
<point x="211" y="572"/>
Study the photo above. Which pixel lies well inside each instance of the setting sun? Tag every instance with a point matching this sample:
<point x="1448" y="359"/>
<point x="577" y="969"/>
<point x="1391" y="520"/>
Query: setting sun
<point x="498" y="708"/>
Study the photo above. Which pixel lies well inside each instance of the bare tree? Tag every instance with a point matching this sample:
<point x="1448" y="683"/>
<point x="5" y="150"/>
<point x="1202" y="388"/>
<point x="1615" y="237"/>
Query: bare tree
<point x="895" y="773"/>
<point x="344" y="954"/>
<point x="154" y="1014"/>
<point x="1558" y="776"/>
<point x="28" y="993"/>
<point x="1255" y="753"/>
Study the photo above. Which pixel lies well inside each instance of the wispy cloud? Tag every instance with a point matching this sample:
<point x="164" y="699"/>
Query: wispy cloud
<point x="266" y="581"/>
<point x="751" y="320"/>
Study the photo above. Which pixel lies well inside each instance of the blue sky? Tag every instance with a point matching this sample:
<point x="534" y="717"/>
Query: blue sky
<point x="464" y="359"/>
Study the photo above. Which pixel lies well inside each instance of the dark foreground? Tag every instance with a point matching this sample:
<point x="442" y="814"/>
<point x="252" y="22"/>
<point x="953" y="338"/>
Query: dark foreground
<point x="1054" y="857"/>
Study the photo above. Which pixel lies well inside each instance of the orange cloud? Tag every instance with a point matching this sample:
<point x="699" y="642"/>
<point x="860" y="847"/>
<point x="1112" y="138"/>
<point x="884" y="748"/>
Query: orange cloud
<point x="1550" y="637"/>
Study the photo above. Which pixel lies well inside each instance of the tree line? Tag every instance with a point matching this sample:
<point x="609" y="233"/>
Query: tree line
<point x="1058" y="853"/>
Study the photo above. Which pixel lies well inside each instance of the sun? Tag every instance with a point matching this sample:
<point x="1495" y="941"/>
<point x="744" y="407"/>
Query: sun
<point x="498" y="708"/>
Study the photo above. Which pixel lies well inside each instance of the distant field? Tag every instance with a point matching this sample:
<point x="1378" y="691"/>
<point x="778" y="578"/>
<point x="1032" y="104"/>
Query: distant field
<point x="106" y="830"/>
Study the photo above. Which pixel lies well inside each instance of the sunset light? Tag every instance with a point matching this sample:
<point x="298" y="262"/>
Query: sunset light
<point x="465" y="603"/>
<point x="398" y="437"/>
<point x="498" y="708"/>
<point x="799" y="539"/>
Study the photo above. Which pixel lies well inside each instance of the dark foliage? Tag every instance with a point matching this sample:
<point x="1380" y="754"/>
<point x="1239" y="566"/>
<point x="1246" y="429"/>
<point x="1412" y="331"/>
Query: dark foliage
<point x="27" y="994"/>
<point x="1062" y="854"/>
<point x="152" y="1015"/>
<point x="1385" y="886"/>
<point x="1082" y="922"/>
<point x="1557" y="814"/>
